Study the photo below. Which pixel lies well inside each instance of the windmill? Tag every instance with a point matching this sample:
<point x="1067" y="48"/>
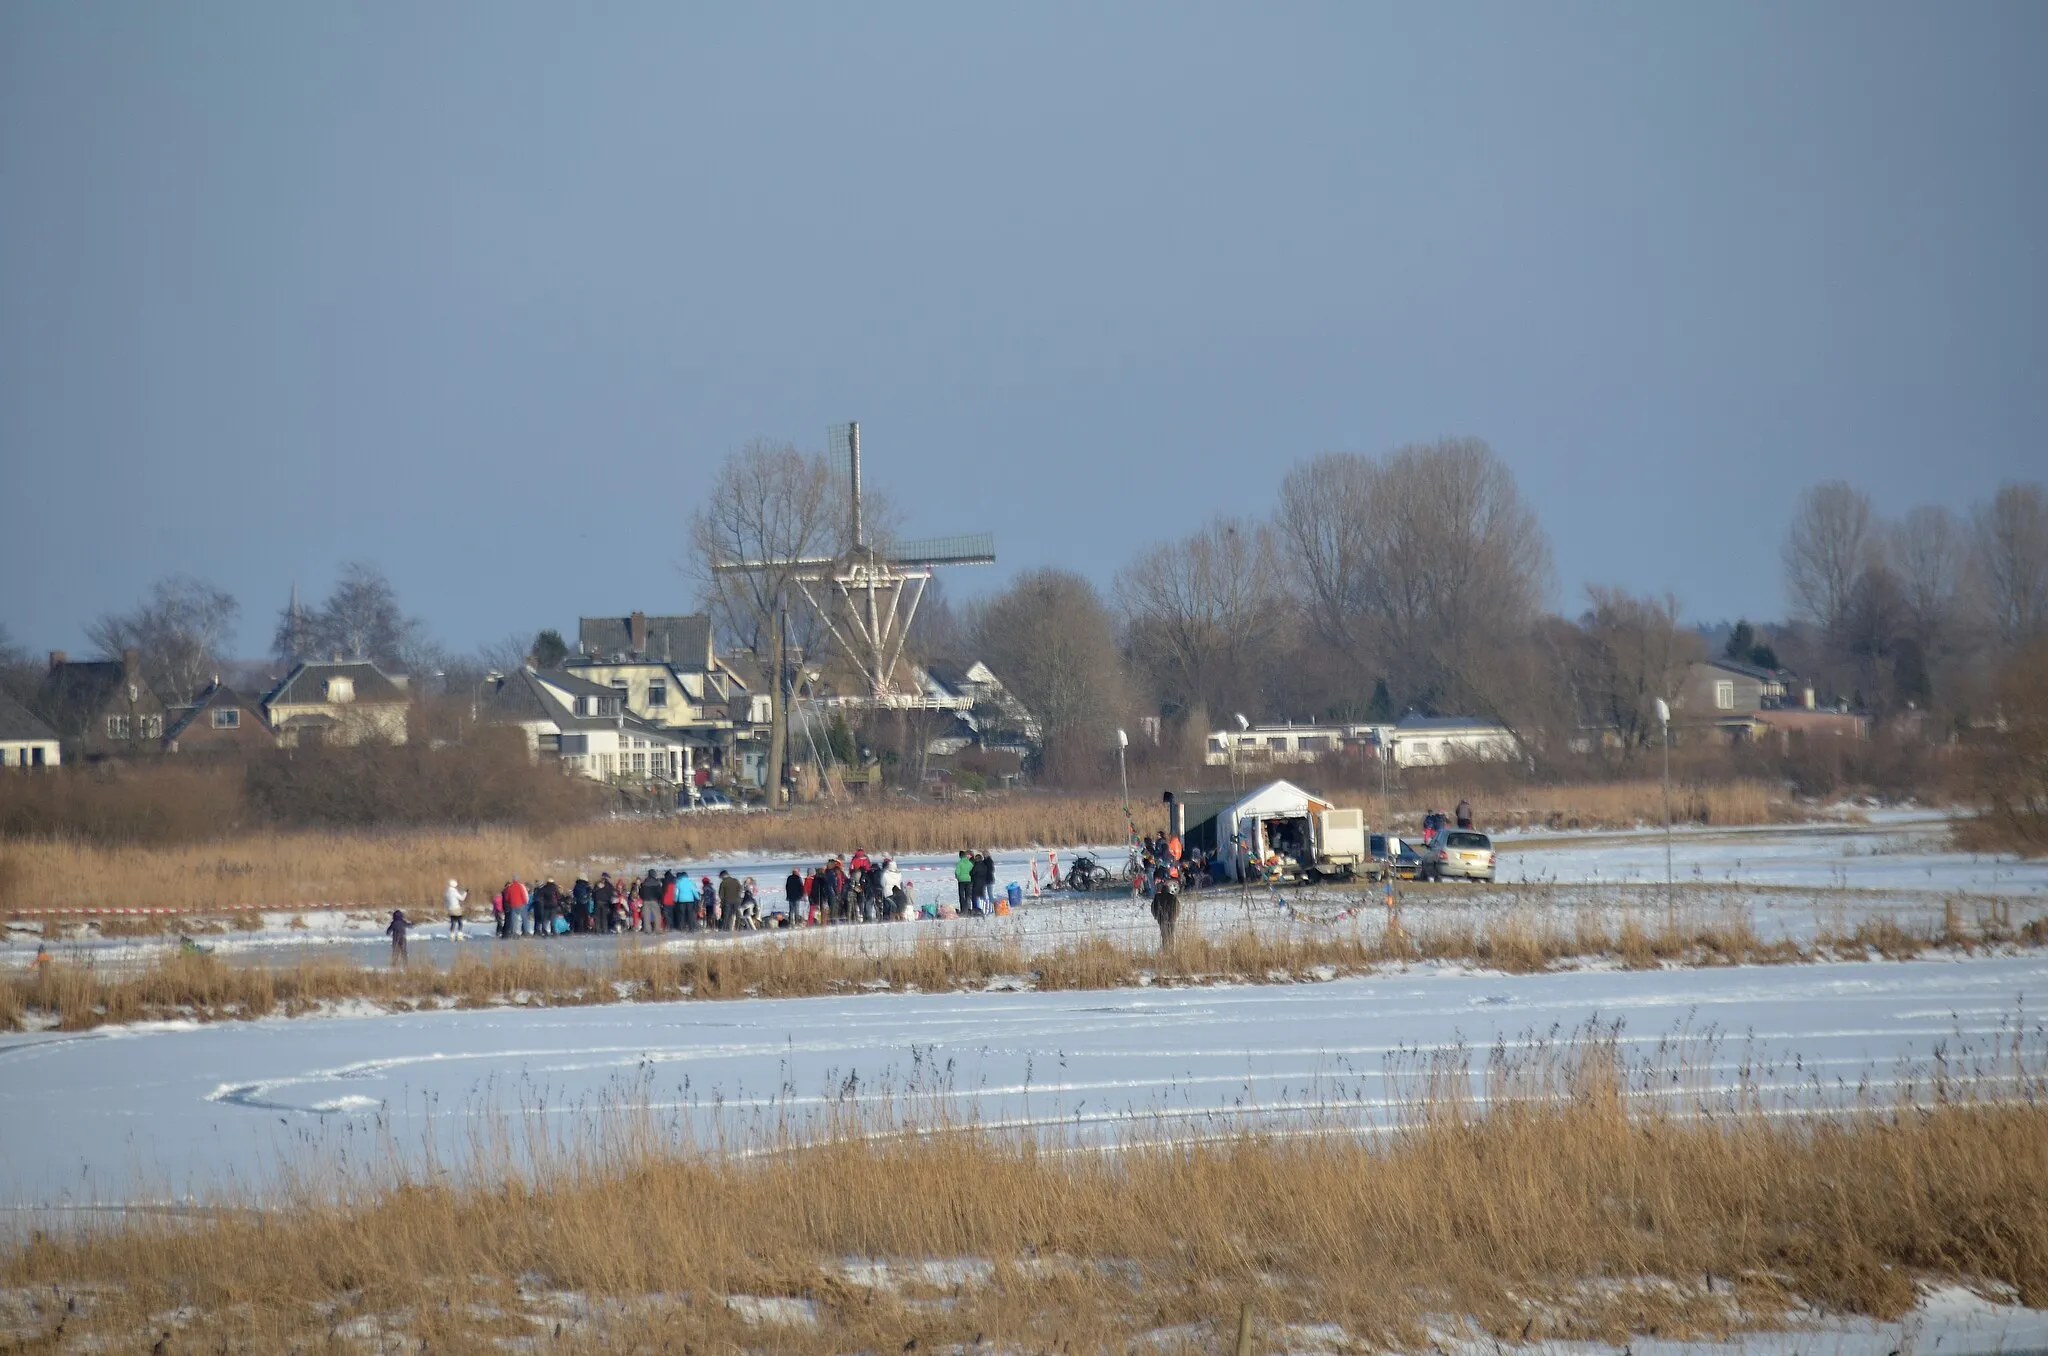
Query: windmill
<point x="868" y="596"/>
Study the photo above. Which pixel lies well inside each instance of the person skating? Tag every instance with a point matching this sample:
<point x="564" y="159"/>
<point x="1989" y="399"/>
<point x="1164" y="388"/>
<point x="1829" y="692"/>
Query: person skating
<point x="451" y="899"/>
<point x="396" y="928"/>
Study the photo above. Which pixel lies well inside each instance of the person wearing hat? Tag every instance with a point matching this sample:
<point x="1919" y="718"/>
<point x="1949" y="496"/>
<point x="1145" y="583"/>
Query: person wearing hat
<point x="452" y="898"/>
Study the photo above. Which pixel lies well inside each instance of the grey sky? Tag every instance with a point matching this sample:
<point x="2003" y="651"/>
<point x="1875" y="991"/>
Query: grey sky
<point x="480" y="292"/>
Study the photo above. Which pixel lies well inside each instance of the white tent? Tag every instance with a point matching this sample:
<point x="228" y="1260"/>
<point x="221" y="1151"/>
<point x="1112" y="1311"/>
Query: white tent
<point x="1240" y="829"/>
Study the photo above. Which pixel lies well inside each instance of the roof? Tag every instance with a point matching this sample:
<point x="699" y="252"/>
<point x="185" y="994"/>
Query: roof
<point x="74" y="694"/>
<point x="216" y="695"/>
<point x="1762" y="675"/>
<point x="18" y="722"/>
<point x="1203" y="806"/>
<point x="530" y="698"/>
<point x="301" y="687"/>
<point x="1447" y="723"/>
<point x="1274" y="796"/>
<point x="682" y="641"/>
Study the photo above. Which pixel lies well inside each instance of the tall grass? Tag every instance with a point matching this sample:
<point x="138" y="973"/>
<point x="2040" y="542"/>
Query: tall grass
<point x="1564" y="1208"/>
<point x="74" y="997"/>
<point x="407" y="869"/>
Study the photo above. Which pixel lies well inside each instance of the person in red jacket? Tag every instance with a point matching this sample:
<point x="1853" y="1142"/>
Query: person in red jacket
<point x="518" y="909"/>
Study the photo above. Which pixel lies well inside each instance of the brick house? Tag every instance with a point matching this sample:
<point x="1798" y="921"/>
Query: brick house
<point x="221" y="721"/>
<point x="101" y="708"/>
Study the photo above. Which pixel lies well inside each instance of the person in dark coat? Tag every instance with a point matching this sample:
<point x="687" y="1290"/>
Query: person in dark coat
<point x="547" y="903"/>
<point x="729" y="894"/>
<point x="1165" y="903"/>
<point x="793" y="893"/>
<point x="582" y="910"/>
<point x="606" y="897"/>
<point x="650" y="901"/>
<point x="396" y="928"/>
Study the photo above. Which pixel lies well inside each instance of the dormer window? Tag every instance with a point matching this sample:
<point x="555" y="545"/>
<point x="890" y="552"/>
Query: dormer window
<point x="338" y="690"/>
<point x="657" y="694"/>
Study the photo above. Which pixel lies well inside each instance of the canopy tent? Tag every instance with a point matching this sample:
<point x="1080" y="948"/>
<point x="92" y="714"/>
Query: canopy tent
<point x="1237" y="829"/>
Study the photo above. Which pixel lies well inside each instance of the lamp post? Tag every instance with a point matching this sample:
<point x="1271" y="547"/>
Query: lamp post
<point x="1664" y="725"/>
<point x="1123" y="742"/>
<point x="1236" y="740"/>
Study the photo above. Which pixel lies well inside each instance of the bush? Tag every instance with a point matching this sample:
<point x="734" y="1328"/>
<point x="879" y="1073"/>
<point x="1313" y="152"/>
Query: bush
<point x="487" y="780"/>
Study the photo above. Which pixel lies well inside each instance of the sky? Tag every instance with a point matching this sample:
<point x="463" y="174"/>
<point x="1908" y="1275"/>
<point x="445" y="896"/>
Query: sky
<point x="483" y="293"/>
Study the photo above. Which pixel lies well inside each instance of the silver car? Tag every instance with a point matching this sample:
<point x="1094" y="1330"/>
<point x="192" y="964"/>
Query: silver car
<point x="1462" y="854"/>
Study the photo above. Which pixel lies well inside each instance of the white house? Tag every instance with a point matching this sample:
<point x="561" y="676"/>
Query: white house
<point x="1433" y="741"/>
<point x="26" y="740"/>
<point x="587" y="726"/>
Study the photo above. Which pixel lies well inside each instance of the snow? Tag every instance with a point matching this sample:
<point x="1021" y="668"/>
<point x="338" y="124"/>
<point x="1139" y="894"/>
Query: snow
<point x="126" y="1114"/>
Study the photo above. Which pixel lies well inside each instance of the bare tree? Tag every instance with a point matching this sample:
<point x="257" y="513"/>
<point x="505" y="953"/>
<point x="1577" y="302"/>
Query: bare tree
<point x="2012" y="555"/>
<point x="1456" y="568"/>
<point x="1326" y="527"/>
<point x="1830" y="541"/>
<point x="1052" y="641"/>
<point x="361" y="621"/>
<point x="1930" y="554"/>
<point x="181" y="630"/>
<point x="1636" y="652"/>
<point x="1199" y="612"/>
<point x="770" y="507"/>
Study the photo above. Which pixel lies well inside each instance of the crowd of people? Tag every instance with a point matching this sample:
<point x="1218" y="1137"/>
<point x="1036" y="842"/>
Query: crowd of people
<point x="853" y="889"/>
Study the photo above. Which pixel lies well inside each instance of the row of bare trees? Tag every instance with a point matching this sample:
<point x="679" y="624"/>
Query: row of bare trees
<point x="1904" y="614"/>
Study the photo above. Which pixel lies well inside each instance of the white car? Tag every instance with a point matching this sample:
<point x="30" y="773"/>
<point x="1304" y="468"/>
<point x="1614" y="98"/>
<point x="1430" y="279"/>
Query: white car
<point x="707" y="800"/>
<point x="1463" y="854"/>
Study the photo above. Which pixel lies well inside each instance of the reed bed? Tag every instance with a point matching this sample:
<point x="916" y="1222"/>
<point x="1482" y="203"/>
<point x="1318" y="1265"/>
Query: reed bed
<point x="65" y="996"/>
<point x="284" y="871"/>
<point x="1565" y="1207"/>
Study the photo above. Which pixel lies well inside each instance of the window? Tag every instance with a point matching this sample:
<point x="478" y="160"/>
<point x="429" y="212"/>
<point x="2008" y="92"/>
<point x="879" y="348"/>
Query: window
<point x="117" y="727"/>
<point x="39" y="755"/>
<point x="227" y="718"/>
<point x="657" y="694"/>
<point x="340" y="689"/>
<point x="152" y="727"/>
<point x="1724" y="696"/>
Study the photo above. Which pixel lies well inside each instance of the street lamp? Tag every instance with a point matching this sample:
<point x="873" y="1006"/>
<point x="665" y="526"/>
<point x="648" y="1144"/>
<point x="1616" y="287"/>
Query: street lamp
<point x="1123" y="742"/>
<point x="1664" y="724"/>
<point x="1236" y="740"/>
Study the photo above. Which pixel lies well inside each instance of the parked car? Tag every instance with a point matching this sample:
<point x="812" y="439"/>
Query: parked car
<point x="1405" y="864"/>
<point x="1462" y="853"/>
<point x="707" y="799"/>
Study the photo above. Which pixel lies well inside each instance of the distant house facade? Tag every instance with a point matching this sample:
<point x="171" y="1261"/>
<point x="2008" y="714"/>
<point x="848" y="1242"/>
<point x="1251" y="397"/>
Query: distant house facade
<point x="987" y="709"/>
<point x="586" y="726"/>
<point x="26" y="739"/>
<point x="222" y="720"/>
<point x="1413" y="741"/>
<point x="668" y="676"/>
<point x="100" y="708"/>
<point x="338" y="702"/>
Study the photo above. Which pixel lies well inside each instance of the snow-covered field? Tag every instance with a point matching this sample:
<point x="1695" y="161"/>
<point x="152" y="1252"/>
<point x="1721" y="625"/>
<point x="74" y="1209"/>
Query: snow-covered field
<point x="170" y="1110"/>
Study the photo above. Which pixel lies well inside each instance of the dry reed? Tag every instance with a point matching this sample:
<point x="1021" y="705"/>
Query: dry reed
<point x="1577" y="1214"/>
<point x="74" y="997"/>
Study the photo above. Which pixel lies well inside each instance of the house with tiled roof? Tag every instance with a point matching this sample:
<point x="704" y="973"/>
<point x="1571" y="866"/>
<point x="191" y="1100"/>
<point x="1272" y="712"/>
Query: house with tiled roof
<point x="337" y="702"/>
<point x="667" y="674"/>
<point x="100" y="708"/>
<point x="221" y="720"/>
<point x="586" y="726"/>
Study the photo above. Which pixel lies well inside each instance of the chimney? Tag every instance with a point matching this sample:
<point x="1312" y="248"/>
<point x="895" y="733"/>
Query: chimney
<point x="131" y="660"/>
<point x="58" y="659"/>
<point x="636" y="633"/>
